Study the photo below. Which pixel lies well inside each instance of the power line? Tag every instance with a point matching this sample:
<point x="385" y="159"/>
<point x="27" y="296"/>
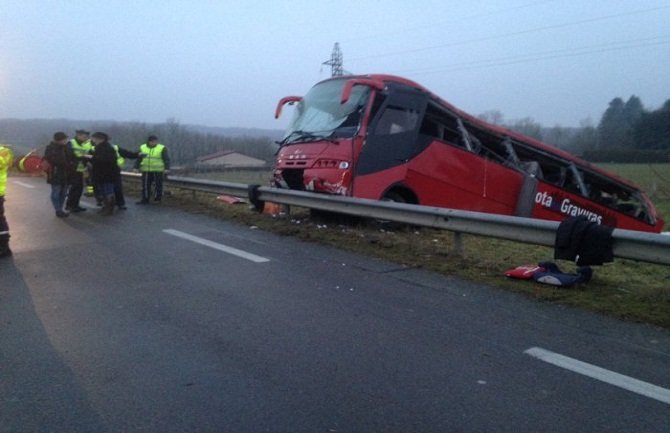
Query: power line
<point x="545" y="55"/>
<point x="517" y="33"/>
<point x="442" y="23"/>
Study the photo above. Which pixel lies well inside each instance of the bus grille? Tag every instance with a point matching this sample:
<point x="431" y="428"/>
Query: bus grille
<point x="294" y="178"/>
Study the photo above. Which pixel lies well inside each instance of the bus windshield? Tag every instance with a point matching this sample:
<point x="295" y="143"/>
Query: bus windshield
<point x="320" y="114"/>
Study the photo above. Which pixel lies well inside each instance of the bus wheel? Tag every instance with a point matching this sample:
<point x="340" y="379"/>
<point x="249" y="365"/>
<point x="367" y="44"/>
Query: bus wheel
<point x="394" y="196"/>
<point x="386" y="224"/>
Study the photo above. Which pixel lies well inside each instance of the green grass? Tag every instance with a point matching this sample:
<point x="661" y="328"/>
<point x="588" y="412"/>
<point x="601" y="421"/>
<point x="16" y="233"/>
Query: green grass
<point x="654" y="179"/>
<point x="625" y="289"/>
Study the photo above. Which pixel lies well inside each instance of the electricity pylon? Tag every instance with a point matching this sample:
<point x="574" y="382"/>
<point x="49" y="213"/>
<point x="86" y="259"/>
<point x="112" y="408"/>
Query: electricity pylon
<point x="335" y="61"/>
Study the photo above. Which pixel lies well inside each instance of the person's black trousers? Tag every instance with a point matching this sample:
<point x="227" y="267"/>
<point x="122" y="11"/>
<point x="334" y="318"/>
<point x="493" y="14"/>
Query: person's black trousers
<point x="76" y="189"/>
<point x="148" y="179"/>
<point x="4" y="229"/>
<point x="118" y="192"/>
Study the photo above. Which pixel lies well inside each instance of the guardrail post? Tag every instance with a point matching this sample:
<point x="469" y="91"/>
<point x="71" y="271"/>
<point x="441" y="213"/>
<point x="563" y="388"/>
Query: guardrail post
<point x="458" y="244"/>
<point x="253" y="198"/>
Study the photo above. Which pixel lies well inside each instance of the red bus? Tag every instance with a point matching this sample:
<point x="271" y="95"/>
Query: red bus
<point x="386" y="137"/>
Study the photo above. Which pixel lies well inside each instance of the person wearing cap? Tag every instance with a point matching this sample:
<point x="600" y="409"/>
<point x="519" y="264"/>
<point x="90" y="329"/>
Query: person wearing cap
<point x="154" y="163"/>
<point x="81" y="146"/>
<point x="105" y="170"/>
<point x="6" y="159"/>
<point x="62" y="167"/>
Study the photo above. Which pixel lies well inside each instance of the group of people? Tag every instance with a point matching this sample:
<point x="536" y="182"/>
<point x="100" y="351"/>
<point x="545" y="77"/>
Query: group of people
<point x="70" y="160"/>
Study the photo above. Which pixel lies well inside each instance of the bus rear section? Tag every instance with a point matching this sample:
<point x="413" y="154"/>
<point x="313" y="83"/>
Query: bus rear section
<point x="385" y="137"/>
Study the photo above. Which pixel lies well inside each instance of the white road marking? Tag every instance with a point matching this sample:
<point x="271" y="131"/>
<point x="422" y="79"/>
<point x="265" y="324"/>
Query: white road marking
<point x="626" y="382"/>
<point x="217" y="246"/>
<point x="23" y="184"/>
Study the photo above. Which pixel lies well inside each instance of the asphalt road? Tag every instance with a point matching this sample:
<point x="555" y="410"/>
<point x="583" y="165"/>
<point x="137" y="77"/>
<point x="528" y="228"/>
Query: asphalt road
<point x="155" y="320"/>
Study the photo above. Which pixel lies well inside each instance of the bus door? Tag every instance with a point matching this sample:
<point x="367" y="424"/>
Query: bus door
<point x="393" y="132"/>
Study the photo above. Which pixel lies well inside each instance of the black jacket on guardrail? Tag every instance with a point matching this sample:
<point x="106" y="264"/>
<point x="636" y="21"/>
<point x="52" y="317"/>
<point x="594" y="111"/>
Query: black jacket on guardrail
<point x="586" y="241"/>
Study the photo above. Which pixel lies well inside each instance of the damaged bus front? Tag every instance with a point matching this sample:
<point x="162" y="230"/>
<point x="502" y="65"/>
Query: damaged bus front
<point x="318" y="150"/>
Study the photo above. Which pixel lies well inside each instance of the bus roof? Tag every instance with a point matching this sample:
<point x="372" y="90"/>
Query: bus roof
<point x="494" y="129"/>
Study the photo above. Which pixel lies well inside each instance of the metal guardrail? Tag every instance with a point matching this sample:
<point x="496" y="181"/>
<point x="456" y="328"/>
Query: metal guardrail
<point x="628" y="244"/>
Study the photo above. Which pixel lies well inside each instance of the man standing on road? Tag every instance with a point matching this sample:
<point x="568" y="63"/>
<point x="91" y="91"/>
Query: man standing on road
<point x="81" y="146"/>
<point x="105" y="171"/>
<point x="121" y="155"/>
<point x="62" y="167"/>
<point x="6" y="158"/>
<point x="154" y="162"/>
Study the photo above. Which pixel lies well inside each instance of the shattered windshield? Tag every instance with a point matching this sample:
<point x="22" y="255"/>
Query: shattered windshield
<point x="320" y="114"/>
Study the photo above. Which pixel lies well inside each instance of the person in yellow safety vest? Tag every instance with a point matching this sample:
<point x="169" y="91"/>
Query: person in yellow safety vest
<point x="153" y="163"/>
<point x="121" y="155"/>
<point x="81" y="146"/>
<point x="89" y="192"/>
<point x="6" y="159"/>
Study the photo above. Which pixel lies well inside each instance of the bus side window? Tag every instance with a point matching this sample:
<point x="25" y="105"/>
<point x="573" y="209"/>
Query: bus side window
<point x="430" y="128"/>
<point x="440" y="124"/>
<point x="395" y="120"/>
<point x="554" y="174"/>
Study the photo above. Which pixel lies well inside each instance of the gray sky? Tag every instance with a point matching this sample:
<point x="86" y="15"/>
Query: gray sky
<point x="227" y="63"/>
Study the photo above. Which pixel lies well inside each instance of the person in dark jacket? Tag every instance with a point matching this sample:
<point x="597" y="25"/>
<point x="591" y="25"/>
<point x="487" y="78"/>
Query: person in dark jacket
<point x="121" y="156"/>
<point x="62" y="166"/>
<point x="105" y="170"/>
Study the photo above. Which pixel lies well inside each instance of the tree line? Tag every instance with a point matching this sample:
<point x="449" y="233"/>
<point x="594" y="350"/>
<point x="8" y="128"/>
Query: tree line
<point x="185" y="143"/>
<point x="626" y="132"/>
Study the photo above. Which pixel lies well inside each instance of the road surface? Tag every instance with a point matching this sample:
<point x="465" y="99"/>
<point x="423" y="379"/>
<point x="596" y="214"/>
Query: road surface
<point x="156" y="320"/>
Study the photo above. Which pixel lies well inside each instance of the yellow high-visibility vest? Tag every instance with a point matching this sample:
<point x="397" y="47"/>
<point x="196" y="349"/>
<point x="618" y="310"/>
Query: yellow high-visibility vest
<point x="6" y="159"/>
<point x="153" y="158"/>
<point x="119" y="159"/>
<point x="79" y="151"/>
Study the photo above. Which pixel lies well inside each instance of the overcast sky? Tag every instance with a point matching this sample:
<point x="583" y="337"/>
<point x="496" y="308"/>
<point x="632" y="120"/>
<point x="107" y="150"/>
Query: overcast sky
<point x="227" y="63"/>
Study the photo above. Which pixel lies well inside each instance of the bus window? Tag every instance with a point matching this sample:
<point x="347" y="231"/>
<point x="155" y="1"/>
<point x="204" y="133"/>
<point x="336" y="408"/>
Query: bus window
<point x="396" y="120"/>
<point x="441" y="125"/>
<point x="554" y="174"/>
<point x="431" y="128"/>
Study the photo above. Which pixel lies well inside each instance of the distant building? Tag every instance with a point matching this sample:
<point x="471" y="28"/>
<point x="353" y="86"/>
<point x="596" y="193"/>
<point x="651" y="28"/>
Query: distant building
<point x="230" y="158"/>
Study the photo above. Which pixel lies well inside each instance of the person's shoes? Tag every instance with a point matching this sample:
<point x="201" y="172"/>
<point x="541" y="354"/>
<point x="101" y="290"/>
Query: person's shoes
<point x="61" y="214"/>
<point x="143" y="201"/>
<point x="157" y="199"/>
<point x="77" y="209"/>
<point x="122" y="207"/>
<point x="109" y="203"/>
<point x="6" y="252"/>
